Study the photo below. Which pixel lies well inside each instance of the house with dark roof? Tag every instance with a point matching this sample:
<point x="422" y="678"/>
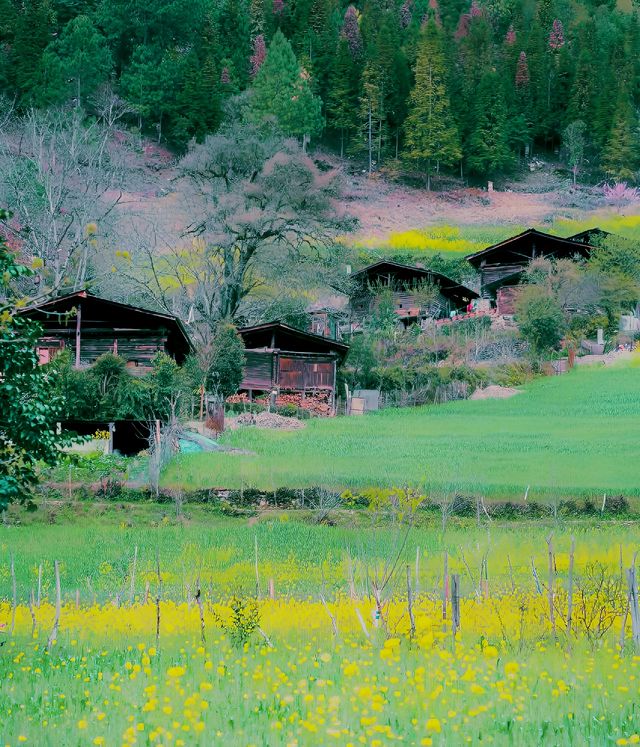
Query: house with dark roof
<point x="501" y="266"/>
<point x="593" y="236"/>
<point x="281" y="358"/>
<point x="89" y="326"/>
<point x="417" y="292"/>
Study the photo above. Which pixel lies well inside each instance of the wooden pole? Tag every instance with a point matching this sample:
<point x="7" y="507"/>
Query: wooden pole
<point x="513" y="583"/>
<point x="201" y="611"/>
<point x="39" y="585"/>
<point x="255" y="544"/>
<point x="33" y="614"/>
<point x="633" y="605"/>
<point x="535" y="577"/>
<point x="412" y="621"/>
<point x="56" y="621"/>
<point x="552" y="613"/>
<point x="78" y="335"/>
<point x="455" y="604"/>
<point x="132" y="591"/>
<point x="445" y="585"/>
<point x="15" y="595"/>
<point x="158" y="597"/>
<point x="570" y="590"/>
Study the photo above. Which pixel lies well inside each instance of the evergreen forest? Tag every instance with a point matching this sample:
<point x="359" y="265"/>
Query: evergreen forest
<point x="435" y="87"/>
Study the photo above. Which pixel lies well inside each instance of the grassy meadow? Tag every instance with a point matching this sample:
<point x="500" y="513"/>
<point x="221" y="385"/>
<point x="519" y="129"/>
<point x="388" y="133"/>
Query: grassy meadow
<point x="569" y="435"/>
<point x="303" y="660"/>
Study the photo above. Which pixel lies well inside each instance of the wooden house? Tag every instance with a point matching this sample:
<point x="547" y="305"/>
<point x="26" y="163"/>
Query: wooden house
<point x="417" y="292"/>
<point x="501" y="266"/>
<point x="592" y="236"/>
<point x="89" y="326"/>
<point x="285" y="359"/>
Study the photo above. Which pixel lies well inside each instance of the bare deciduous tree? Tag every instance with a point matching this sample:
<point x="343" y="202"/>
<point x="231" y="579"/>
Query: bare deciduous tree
<point x="59" y="180"/>
<point x="264" y="208"/>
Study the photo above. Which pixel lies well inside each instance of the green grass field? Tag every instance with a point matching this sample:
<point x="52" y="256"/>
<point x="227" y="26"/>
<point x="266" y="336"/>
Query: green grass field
<point x="568" y="435"/>
<point x="510" y="677"/>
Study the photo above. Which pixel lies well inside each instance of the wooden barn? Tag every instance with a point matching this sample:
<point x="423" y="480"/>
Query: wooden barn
<point x="285" y="359"/>
<point x="90" y="326"/>
<point x="501" y="266"/>
<point x="412" y="289"/>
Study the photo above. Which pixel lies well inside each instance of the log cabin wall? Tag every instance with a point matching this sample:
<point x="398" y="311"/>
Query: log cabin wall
<point x="90" y="326"/>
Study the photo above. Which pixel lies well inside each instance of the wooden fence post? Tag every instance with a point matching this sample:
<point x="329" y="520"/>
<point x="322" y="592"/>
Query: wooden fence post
<point x="552" y="614"/>
<point x="570" y="591"/>
<point x="15" y="595"/>
<point x="412" y="620"/>
<point x="445" y="585"/>
<point x="455" y="604"/>
<point x="56" y="620"/>
<point x="633" y="605"/>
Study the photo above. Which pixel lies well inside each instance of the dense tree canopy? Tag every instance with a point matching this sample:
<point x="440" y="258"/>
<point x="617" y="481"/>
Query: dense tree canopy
<point x="472" y="86"/>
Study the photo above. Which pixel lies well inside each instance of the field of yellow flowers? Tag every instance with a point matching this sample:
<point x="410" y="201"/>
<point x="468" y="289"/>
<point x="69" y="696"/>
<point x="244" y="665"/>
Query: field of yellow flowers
<point x="505" y="679"/>
<point x="366" y="655"/>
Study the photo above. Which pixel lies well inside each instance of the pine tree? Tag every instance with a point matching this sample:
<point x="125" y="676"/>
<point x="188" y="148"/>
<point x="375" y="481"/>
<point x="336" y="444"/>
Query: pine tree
<point x="235" y="40"/>
<point x="75" y="65"/>
<point x="431" y="132"/>
<point x="620" y="156"/>
<point x="150" y="83"/>
<point x="488" y="145"/>
<point x="282" y="90"/>
<point x="33" y="33"/>
<point x="343" y="93"/>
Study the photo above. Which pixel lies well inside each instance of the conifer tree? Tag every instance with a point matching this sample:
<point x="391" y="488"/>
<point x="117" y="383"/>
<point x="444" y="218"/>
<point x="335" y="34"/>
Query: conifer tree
<point x="342" y="98"/>
<point x="620" y="156"/>
<point x="431" y="132"/>
<point x="235" y="40"/>
<point x="75" y="65"/>
<point x="488" y="145"/>
<point x="282" y="90"/>
<point x="34" y="27"/>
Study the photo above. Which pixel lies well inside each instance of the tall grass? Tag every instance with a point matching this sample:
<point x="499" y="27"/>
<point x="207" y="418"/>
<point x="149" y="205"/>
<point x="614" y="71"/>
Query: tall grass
<point x="573" y="434"/>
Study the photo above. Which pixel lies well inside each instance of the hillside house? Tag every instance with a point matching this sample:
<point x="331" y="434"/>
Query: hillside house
<point x="501" y="266"/>
<point x="592" y="236"/>
<point x="89" y="326"/>
<point x="285" y="359"/>
<point x="417" y="293"/>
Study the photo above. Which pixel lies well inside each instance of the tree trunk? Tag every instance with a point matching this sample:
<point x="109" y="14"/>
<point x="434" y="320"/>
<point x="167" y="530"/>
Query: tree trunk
<point x="370" y="134"/>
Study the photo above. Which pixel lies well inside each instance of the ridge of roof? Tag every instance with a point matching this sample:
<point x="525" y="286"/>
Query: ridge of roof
<point x="295" y="330"/>
<point x="527" y="232"/>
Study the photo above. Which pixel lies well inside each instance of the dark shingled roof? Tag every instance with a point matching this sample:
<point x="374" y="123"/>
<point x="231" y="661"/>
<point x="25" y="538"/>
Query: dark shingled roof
<point x="531" y="243"/>
<point x="289" y="339"/>
<point x="117" y="315"/>
<point x="448" y="287"/>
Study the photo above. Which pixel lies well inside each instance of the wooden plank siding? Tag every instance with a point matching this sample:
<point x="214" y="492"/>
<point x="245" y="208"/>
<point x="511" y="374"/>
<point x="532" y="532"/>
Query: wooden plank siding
<point x="300" y="374"/>
<point x="258" y="370"/>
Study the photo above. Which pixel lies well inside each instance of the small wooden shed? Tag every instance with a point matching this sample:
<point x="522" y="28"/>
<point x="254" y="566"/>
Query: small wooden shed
<point x="285" y="359"/>
<point x="90" y="326"/>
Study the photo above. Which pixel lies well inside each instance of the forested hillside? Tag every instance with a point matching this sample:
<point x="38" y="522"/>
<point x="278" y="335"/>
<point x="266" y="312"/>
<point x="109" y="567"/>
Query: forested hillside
<point x="437" y="86"/>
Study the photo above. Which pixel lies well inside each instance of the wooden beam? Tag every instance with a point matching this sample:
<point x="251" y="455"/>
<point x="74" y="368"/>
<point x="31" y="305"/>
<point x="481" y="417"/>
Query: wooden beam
<point x="78" y="336"/>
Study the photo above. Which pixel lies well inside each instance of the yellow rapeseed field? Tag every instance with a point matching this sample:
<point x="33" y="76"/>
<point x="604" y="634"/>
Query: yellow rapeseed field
<point x="315" y="672"/>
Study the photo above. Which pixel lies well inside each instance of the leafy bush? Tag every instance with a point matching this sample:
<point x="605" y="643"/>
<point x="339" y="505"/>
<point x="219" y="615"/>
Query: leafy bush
<point x="540" y="318"/>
